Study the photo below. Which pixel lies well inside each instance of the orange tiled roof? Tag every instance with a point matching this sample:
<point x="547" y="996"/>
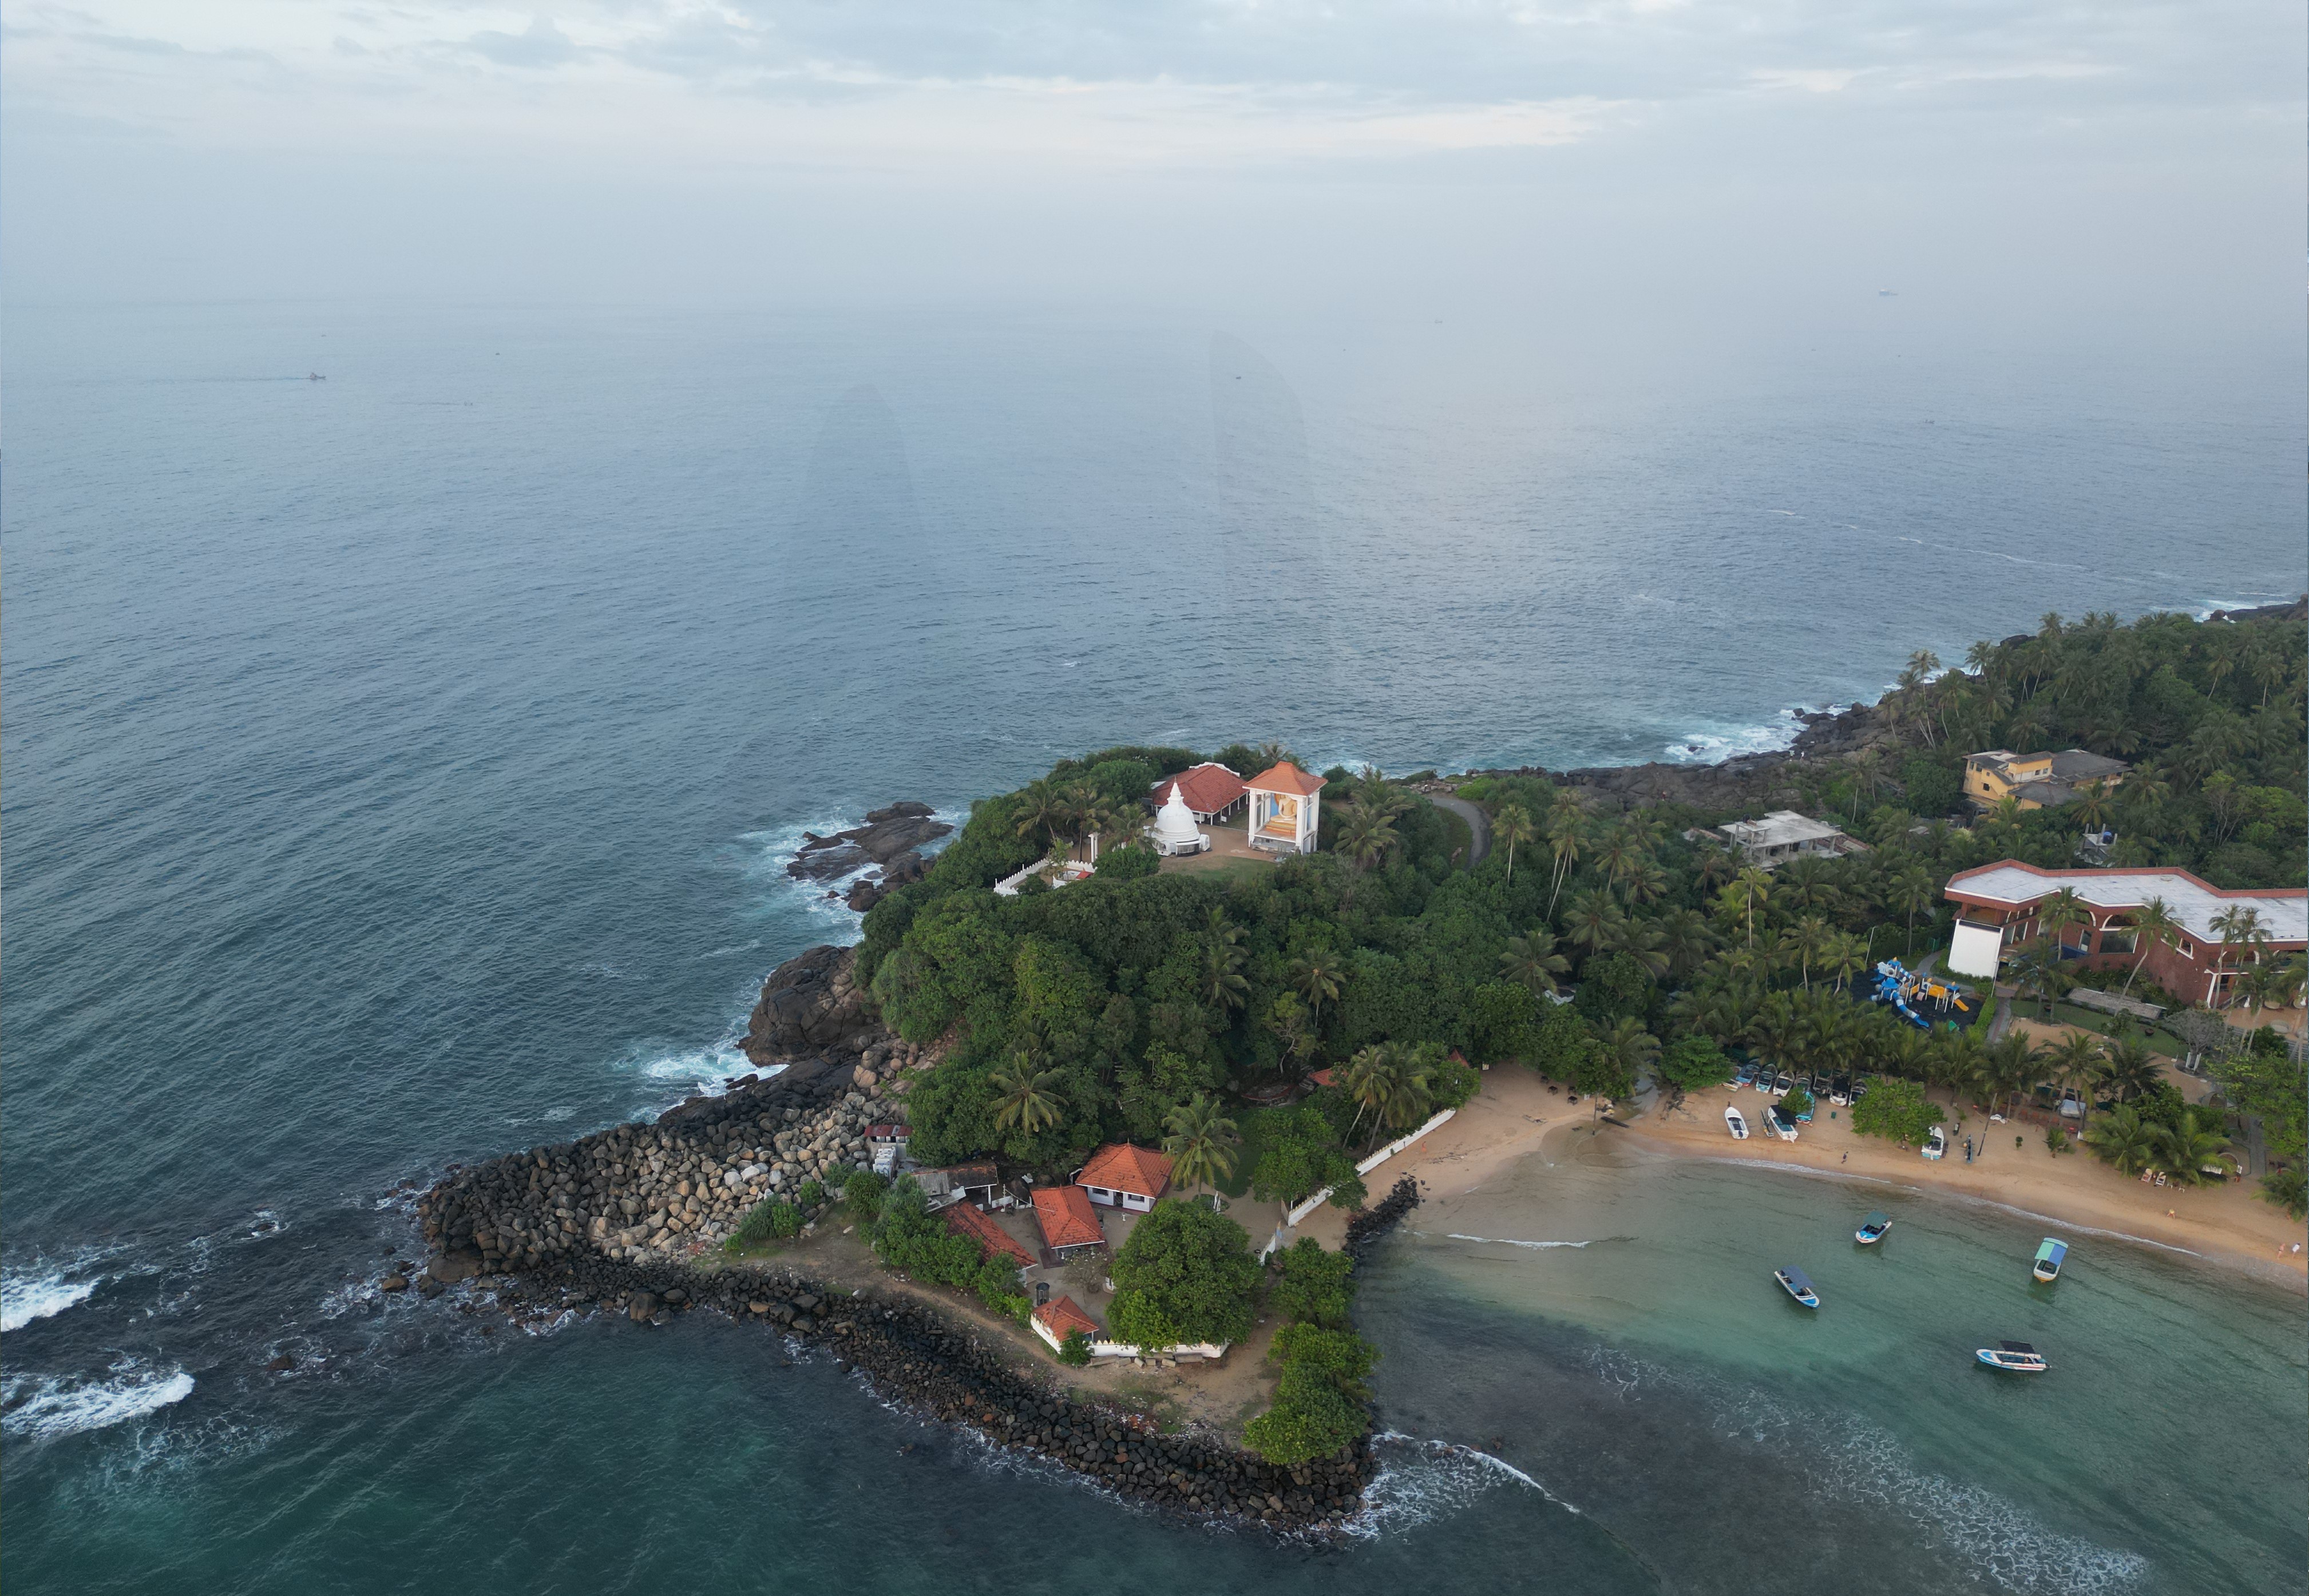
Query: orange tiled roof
<point x="1208" y="788"/>
<point x="1064" y="1316"/>
<point x="1118" y="1167"/>
<point x="1287" y="777"/>
<point x="992" y="1240"/>
<point x="1067" y="1217"/>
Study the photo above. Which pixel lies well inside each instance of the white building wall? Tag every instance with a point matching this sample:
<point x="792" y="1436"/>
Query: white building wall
<point x="1975" y="951"/>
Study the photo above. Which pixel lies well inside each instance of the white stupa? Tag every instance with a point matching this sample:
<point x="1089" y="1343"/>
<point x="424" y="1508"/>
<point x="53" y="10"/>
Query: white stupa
<point x="1174" y="830"/>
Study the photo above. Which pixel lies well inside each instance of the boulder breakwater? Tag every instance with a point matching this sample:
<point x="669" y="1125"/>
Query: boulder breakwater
<point x="629" y="1219"/>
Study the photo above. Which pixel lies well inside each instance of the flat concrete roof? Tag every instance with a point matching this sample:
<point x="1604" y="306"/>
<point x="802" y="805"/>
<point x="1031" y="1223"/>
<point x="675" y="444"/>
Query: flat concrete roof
<point x="2194" y="902"/>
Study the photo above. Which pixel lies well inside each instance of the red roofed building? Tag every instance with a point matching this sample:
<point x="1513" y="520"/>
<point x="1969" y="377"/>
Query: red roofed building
<point x="1210" y="791"/>
<point x="1070" y="1223"/>
<point x="1120" y="1175"/>
<point x="1285" y="808"/>
<point x="993" y="1240"/>
<point x="1059" y="1317"/>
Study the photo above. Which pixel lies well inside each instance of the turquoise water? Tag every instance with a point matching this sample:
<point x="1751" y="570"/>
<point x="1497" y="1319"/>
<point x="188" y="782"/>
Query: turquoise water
<point x="400" y="768"/>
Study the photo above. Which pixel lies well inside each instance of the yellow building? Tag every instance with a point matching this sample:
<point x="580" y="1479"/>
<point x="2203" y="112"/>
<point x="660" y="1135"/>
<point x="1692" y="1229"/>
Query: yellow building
<point x="2037" y="781"/>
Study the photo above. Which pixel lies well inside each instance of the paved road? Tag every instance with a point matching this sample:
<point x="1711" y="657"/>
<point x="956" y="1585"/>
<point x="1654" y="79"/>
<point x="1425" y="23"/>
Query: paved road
<point x="1479" y="825"/>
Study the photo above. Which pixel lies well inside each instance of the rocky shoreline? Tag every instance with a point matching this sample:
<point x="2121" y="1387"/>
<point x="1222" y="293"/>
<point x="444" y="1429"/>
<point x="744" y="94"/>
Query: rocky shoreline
<point x="892" y="838"/>
<point x="616" y="1221"/>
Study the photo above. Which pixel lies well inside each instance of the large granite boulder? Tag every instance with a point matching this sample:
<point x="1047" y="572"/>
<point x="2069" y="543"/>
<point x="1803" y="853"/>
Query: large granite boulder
<point x="808" y="1004"/>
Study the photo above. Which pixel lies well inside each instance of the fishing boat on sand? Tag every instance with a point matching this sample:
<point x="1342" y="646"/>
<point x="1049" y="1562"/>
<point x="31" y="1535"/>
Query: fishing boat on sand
<point x="2050" y="1255"/>
<point x="2014" y="1357"/>
<point x="1794" y="1281"/>
<point x="1734" y="1123"/>
<point x="1871" y="1228"/>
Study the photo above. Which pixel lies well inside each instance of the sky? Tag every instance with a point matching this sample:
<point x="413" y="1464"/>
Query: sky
<point x="2090" y="161"/>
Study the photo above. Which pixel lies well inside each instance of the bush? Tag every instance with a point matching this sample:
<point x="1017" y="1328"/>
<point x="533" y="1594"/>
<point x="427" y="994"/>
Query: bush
<point x="1127" y="863"/>
<point x="2288" y="1190"/>
<point x="908" y="1236"/>
<point x="811" y="1195"/>
<point x="1186" y="1275"/>
<point x="1896" y="1108"/>
<point x="1074" y="1351"/>
<point x="1694" y="1062"/>
<point x="1797" y="1101"/>
<point x="1318" y="1401"/>
<point x="1312" y="1286"/>
<point x="772" y="1219"/>
<point x="863" y="1192"/>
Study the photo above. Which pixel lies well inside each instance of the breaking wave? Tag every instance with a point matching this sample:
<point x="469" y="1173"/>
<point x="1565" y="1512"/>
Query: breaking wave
<point x="47" y="1408"/>
<point x="40" y="1294"/>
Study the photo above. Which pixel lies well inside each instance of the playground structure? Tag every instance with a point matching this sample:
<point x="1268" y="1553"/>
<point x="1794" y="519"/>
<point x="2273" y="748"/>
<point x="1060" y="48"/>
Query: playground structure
<point x="1921" y="998"/>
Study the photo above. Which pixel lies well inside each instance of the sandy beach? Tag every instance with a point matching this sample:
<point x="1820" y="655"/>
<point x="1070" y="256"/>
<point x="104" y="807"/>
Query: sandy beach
<point x="1515" y="1112"/>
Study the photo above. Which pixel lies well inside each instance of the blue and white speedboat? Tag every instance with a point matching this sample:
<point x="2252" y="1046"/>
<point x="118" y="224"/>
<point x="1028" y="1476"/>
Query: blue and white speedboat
<point x="2014" y="1357"/>
<point x="1871" y="1228"/>
<point x="1797" y="1284"/>
<point x="2050" y="1256"/>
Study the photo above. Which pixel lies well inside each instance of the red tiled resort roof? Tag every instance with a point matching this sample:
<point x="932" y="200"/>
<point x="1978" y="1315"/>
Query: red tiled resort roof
<point x="1064" y="1316"/>
<point x="1118" y="1167"/>
<point x="1066" y="1218"/>
<point x="992" y="1240"/>
<point x="1207" y="787"/>
<point x="1287" y="777"/>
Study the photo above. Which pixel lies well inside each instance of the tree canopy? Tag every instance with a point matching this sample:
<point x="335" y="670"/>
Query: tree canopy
<point x="1185" y="1275"/>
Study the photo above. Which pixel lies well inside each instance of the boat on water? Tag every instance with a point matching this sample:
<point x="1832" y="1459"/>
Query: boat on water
<point x="2014" y="1357"/>
<point x="1734" y="1123"/>
<point x="2050" y="1255"/>
<point x="1797" y="1284"/>
<point x="1871" y="1228"/>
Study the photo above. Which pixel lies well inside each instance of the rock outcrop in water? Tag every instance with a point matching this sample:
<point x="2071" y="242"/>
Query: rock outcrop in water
<point x="888" y="836"/>
<point x="1744" y="782"/>
<point x="810" y="1008"/>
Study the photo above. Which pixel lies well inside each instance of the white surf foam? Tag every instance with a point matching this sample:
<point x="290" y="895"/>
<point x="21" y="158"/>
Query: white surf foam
<point x="1774" y="735"/>
<point x="26" y="1298"/>
<point x="1510" y="1241"/>
<point x="62" y="1407"/>
<point x="1419" y="1481"/>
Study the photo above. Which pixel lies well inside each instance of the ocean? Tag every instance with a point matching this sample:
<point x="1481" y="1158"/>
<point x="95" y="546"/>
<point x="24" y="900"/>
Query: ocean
<point x="400" y="767"/>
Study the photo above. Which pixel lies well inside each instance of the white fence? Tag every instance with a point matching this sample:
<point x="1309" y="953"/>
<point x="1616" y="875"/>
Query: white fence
<point x="1303" y="1209"/>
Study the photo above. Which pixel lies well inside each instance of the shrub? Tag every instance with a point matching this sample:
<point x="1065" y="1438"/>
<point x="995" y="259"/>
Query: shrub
<point x="1074" y="1351"/>
<point x="908" y="1236"/>
<point x="1693" y="1062"/>
<point x="863" y="1192"/>
<point x="1896" y="1108"/>
<point x="756" y="1228"/>
<point x="1318" y="1401"/>
<point x="811" y="1195"/>
<point x="1127" y="863"/>
<point x="1312" y="1286"/>
<point x="1797" y="1101"/>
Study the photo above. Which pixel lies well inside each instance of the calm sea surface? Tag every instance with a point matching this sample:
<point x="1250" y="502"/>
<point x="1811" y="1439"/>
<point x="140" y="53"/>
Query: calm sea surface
<point x="398" y="768"/>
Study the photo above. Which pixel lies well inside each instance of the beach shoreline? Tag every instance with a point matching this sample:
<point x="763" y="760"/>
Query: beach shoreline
<point x="1517" y="1117"/>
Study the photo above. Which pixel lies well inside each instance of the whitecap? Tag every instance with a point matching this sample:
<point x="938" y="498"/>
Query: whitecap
<point x="25" y="1297"/>
<point x="1714" y="747"/>
<point x="1510" y="1241"/>
<point x="62" y="1407"/>
<point x="1419" y="1481"/>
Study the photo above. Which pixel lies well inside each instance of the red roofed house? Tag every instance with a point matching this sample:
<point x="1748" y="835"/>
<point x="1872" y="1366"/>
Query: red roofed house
<point x="1120" y="1175"/>
<point x="1058" y="1318"/>
<point x="1284" y="805"/>
<point x="1210" y="791"/>
<point x="1070" y="1223"/>
<point x="993" y="1240"/>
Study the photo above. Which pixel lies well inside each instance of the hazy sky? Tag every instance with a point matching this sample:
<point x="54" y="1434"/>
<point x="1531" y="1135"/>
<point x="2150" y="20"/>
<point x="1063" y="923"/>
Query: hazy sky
<point x="2104" y="159"/>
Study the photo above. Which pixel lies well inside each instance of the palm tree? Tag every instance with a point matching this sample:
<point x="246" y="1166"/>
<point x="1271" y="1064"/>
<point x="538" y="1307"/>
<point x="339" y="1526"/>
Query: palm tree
<point x="1041" y="806"/>
<point x="1026" y="1097"/>
<point x="1750" y="891"/>
<point x="2037" y="970"/>
<point x="2077" y="1061"/>
<point x="1567" y="828"/>
<point x="2240" y="926"/>
<point x="1316" y="979"/>
<point x="1647" y="882"/>
<point x="1223" y="987"/>
<point x="2153" y="922"/>
<point x="2062" y="910"/>
<point x="1803" y="942"/>
<point x="1844" y="957"/>
<point x="1372" y="1078"/>
<point x="1617" y="852"/>
<point x="1365" y="836"/>
<point x="1593" y="919"/>
<point x="1513" y="825"/>
<point x="1636" y="1049"/>
<point x="1201" y="1143"/>
<point x="1910" y="891"/>
<point x="1687" y="938"/>
<point x="1641" y="940"/>
<point x="2186" y="1146"/>
<point x="1532" y="962"/>
<point x="1717" y="867"/>
<point x="2129" y="1070"/>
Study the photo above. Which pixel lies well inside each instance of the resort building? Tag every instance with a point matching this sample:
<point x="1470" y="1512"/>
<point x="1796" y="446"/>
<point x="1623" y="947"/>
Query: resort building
<point x="1211" y="792"/>
<point x="1286" y="810"/>
<point x="1784" y="835"/>
<point x="1121" y="1176"/>
<point x="1061" y="1317"/>
<point x="2037" y="781"/>
<point x="1999" y="905"/>
<point x="1070" y="1223"/>
<point x="993" y="1240"/>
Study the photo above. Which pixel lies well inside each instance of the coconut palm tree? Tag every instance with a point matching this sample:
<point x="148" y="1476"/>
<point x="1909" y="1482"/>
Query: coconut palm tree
<point x="1513" y="825"/>
<point x="1750" y="891"/>
<point x="2153" y="922"/>
<point x="1910" y="891"/>
<point x="1316" y="980"/>
<point x="2190" y="1143"/>
<point x="1844" y="957"/>
<point x="1717" y="867"/>
<point x="1566" y="830"/>
<point x="1686" y="939"/>
<point x="1636" y="1049"/>
<point x="2064" y="909"/>
<point x="1532" y="962"/>
<point x="1223" y="986"/>
<point x="2078" y="1061"/>
<point x="1646" y="881"/>
<point x="1593" y="920"/>
<point x="1616" y="852"/>
<point x="1201" y="1143"/>
<point x="1040" y="807"/>
<point x="2128" y="1068"/>
<point x="1803" y="942"/>
<point x="1376" y="1078"/>
<point x="1365" y="836"/>
<point x="1025" y="1097"/>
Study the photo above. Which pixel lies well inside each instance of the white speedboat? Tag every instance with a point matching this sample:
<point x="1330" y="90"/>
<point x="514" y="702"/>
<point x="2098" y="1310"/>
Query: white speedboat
<point x="1871" y="1228"/>
<point x="1794" y="1281"/>
<point x="2014" y="1357"/>
<point x="1935" y="1146"/>
<point x="1734" y="1123"/>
